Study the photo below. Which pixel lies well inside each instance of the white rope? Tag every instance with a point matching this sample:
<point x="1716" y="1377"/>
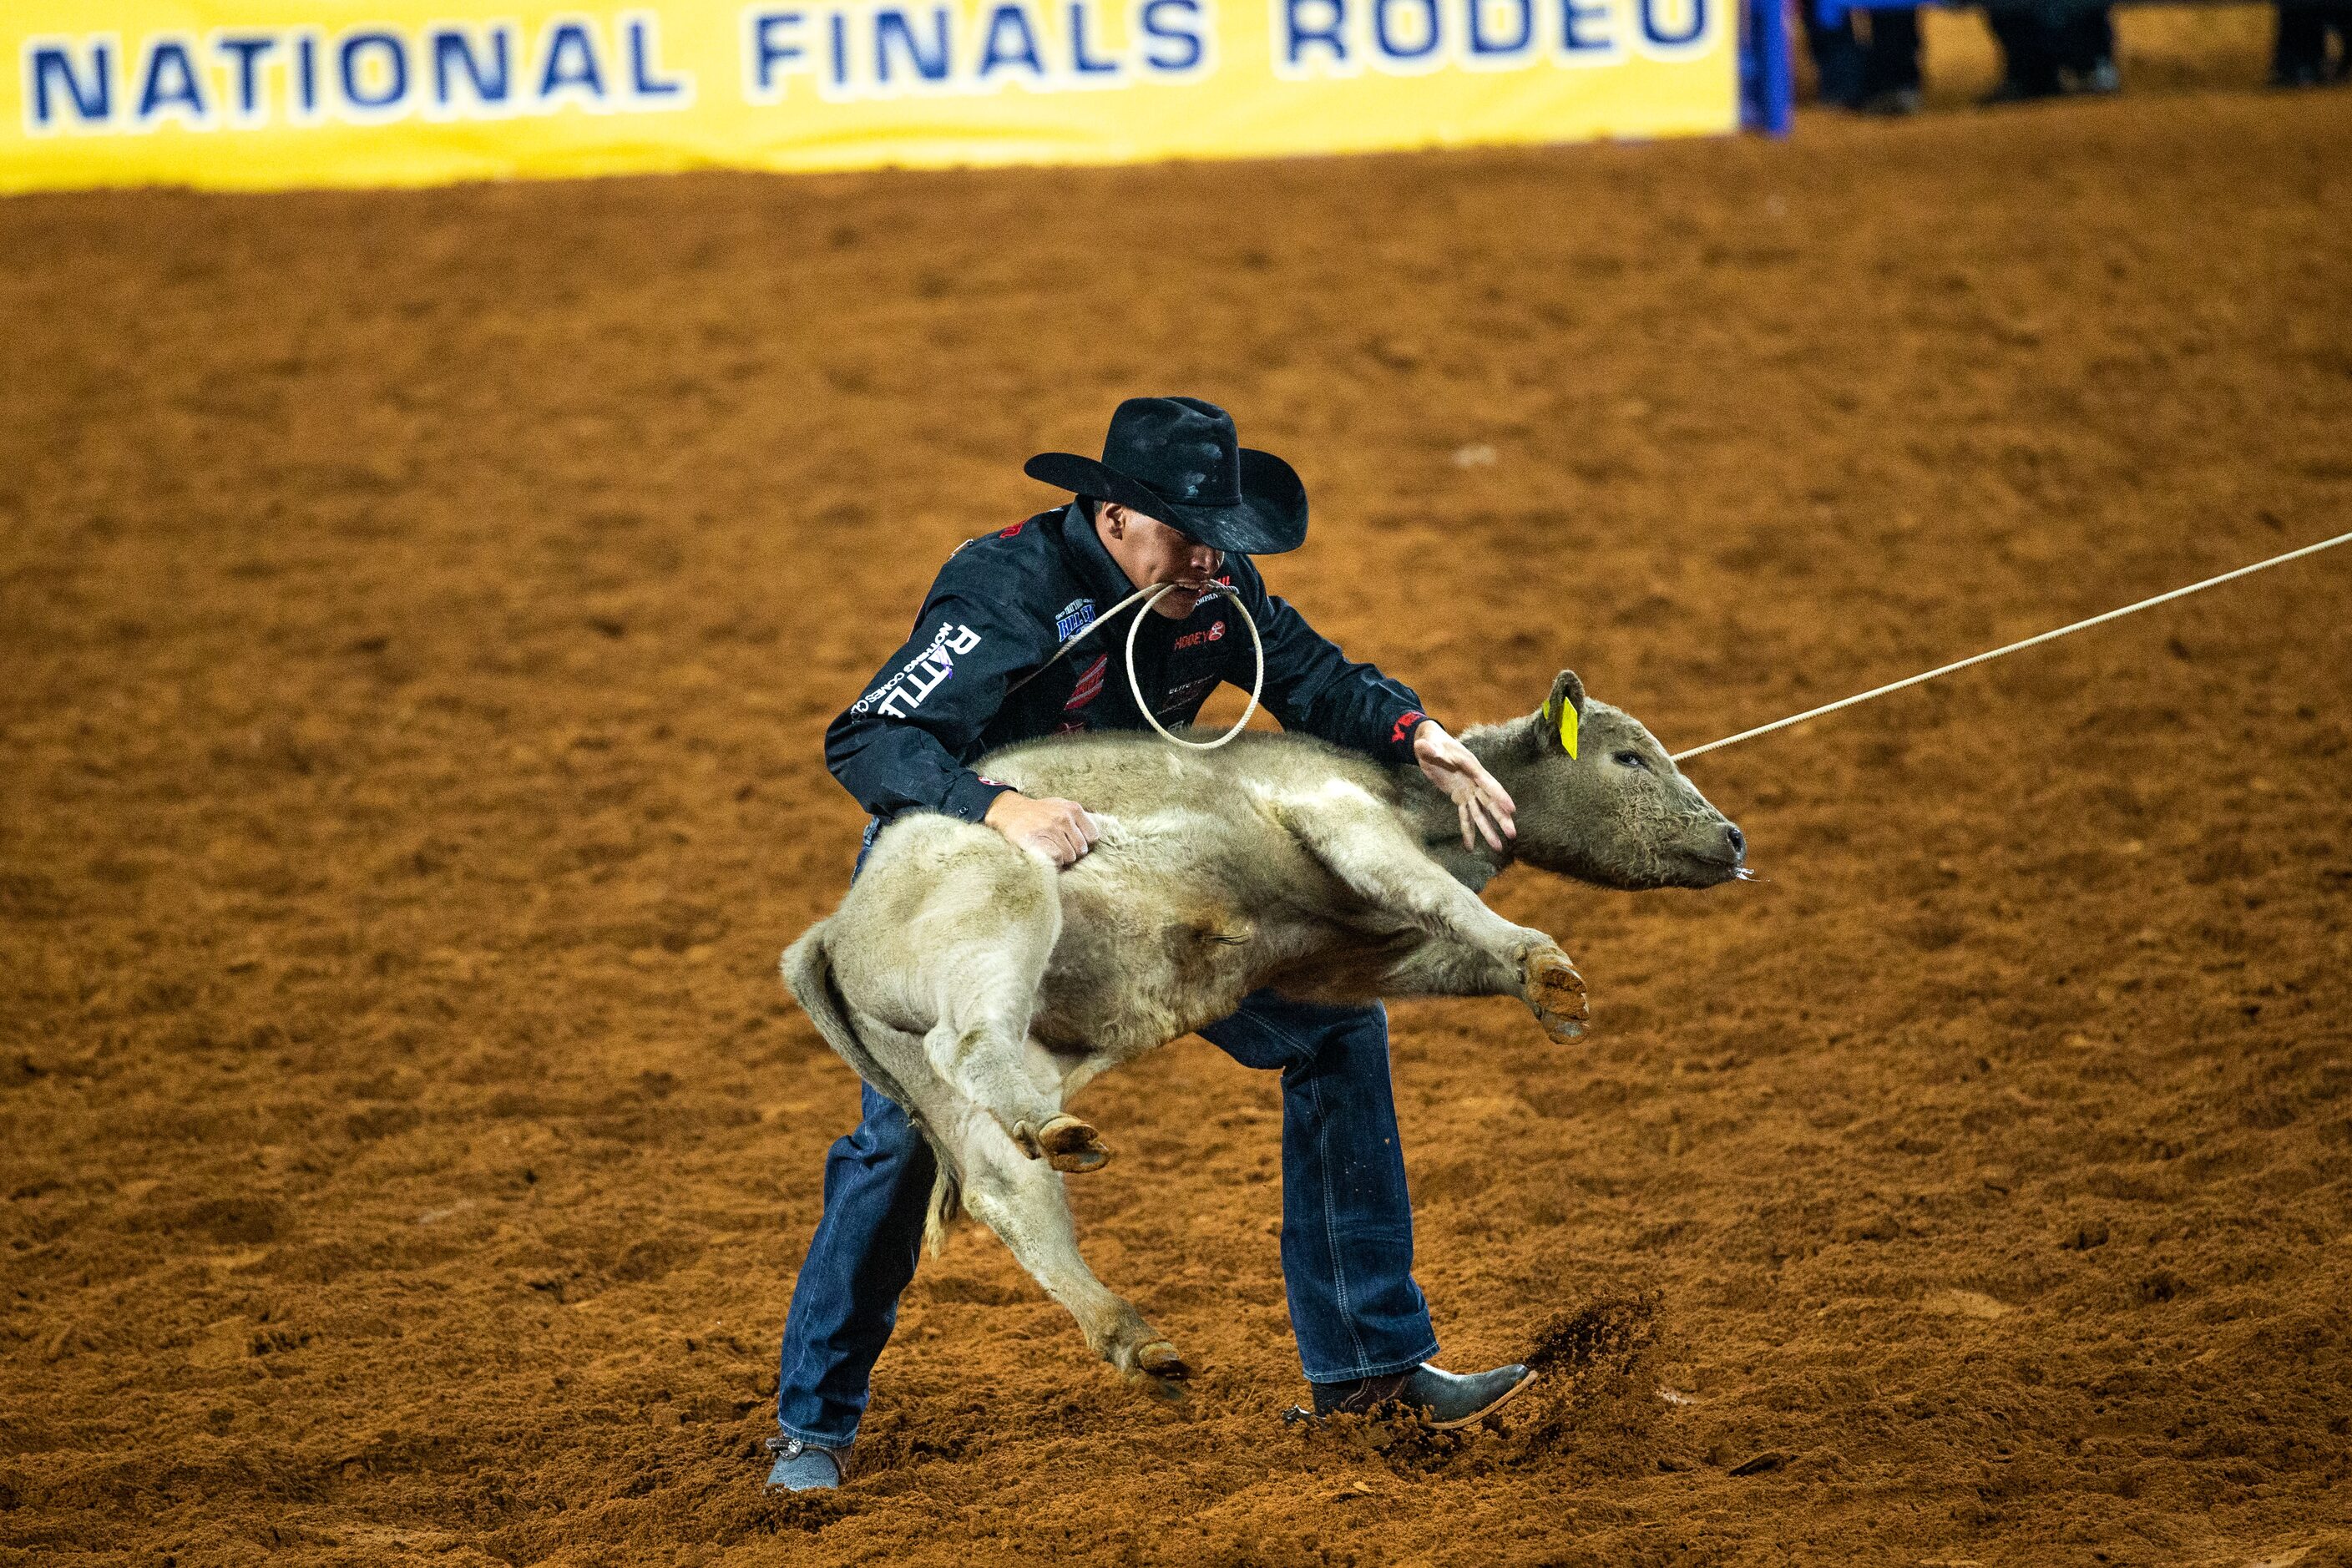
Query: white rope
<point x="1257" y="681"/>
<point x="2013" y="647"/>
<point x="1151" y="593"/>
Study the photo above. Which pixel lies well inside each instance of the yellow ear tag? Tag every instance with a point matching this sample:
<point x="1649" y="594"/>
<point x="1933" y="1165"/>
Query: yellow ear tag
<point x="1567" y="726"/>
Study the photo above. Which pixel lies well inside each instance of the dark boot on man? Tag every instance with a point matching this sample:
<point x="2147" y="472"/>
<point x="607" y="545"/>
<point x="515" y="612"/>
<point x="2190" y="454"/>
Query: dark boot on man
<point x="1441" y="1400"/>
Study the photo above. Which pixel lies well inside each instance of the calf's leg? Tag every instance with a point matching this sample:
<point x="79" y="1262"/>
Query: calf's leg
<point x="1361" y="842"/>
<point x="1020" y="1200"/>
<point x="945" y="939"/>
<point x="1542" y="977"/>
<point x="977" y="1050"/>
<point x="985" y="993"/>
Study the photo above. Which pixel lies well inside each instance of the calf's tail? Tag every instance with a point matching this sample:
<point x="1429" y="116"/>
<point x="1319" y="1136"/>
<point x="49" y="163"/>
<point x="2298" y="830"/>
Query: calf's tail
<point x="808" y="975"/>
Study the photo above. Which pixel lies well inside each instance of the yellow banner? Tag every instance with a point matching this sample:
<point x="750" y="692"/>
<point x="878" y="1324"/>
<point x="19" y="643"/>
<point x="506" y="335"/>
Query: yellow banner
<point x="262" y="93"/>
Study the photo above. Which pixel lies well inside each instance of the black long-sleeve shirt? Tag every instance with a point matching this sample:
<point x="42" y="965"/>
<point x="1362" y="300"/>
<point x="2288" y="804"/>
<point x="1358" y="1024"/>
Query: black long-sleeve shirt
<point x="1000" y="608"/>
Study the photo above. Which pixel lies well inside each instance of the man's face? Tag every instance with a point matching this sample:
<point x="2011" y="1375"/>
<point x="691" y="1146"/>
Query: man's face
<point x="1150" y="551"/>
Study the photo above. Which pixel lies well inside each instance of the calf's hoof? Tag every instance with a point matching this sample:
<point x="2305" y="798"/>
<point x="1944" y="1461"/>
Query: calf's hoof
<point x="1159" y="1372"/>
<point x="1556" y="993"/>
<point x="1065" y="1143"/>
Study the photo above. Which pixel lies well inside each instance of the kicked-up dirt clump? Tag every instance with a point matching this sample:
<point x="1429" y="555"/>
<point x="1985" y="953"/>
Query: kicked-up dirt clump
<point x="1601" y="1387"/>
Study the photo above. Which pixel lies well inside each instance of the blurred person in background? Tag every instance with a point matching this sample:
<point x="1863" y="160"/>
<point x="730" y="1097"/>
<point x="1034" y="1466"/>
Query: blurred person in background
<point x="2299" y="55"/>
<point x="1868" y="60"/>
<point x="2050" y="47"/>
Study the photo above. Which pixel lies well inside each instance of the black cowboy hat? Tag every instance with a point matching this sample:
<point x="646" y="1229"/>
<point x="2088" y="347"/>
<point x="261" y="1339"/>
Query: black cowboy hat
<point x="1176" y="458"/>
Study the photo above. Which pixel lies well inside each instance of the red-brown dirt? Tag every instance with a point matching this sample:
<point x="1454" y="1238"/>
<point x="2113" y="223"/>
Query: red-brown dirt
<point x="420" y="613"/>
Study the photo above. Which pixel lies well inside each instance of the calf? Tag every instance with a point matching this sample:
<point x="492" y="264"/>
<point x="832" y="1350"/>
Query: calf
<point x="981" y="988"/>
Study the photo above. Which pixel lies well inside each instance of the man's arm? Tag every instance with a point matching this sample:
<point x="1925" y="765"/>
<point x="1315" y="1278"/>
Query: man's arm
<point x="1311" y="686"/>
<point x="896" y="748"/>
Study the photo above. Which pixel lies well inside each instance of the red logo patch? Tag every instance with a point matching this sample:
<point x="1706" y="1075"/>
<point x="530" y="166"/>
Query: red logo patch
<point x="1090" y="684"/>
<point x="1195" y="640"/>
<point x="1009" y="532"/>
<point x="1404" y="725"/>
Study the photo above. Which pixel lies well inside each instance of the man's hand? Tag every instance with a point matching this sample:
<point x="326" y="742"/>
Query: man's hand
<point x="1058" y="828"/>
<point x="1465" y="781"/>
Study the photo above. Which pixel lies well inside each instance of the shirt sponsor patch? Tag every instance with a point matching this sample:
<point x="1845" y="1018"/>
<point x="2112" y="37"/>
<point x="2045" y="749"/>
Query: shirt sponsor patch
<point x="921" y="676"/>
<point x="1074" y="618"/>
<point x="1195" y="640"/>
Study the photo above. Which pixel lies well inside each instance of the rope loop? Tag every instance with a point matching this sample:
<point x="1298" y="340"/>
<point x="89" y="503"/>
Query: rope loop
<point x="1150" y="596"/>
<point x="1257" y="681"/>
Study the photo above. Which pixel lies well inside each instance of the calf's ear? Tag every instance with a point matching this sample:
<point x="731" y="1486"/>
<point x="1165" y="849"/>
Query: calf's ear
<point x="1563" y="709"/>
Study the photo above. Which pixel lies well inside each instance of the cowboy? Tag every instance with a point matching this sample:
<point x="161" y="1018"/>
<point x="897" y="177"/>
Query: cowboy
<point x="1175" y="498"/>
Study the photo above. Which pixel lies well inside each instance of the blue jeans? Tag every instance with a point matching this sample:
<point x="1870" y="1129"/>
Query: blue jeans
<point x="1347" y="1220"/>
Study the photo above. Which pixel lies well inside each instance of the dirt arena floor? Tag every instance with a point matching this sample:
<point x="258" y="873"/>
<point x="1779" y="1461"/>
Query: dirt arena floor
<point x="419" y="615"/>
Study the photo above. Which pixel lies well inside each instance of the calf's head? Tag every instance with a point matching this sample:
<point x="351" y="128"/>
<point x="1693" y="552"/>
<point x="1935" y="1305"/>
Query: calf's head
<point x="1617" y="811"/>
